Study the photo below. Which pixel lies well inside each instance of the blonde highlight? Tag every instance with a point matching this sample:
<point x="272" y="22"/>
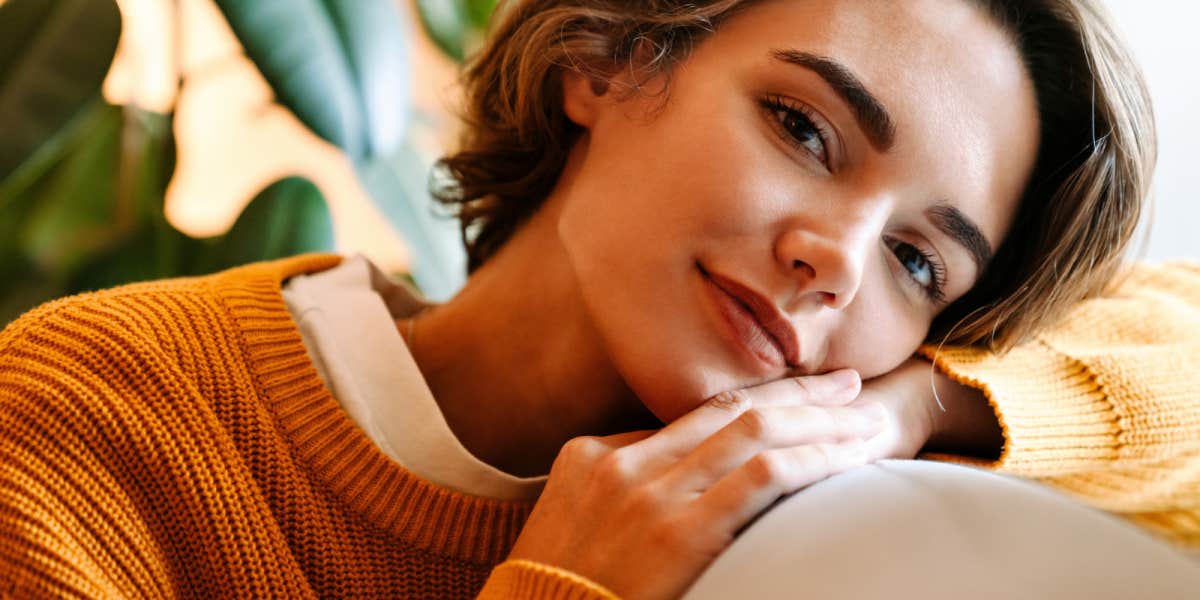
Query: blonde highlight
<point x="1074" y="224"/>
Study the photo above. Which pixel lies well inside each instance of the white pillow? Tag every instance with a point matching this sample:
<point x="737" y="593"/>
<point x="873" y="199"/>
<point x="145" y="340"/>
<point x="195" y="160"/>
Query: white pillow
<point x="920" y="529"/>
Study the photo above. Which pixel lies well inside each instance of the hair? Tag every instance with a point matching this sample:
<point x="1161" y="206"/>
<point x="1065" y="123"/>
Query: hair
<point x="1076" y="219"/>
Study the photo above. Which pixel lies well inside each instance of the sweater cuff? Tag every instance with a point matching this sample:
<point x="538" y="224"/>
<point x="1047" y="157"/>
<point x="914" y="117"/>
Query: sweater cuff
<point x="1055" y="416"/>
<point x="519" y="578"/>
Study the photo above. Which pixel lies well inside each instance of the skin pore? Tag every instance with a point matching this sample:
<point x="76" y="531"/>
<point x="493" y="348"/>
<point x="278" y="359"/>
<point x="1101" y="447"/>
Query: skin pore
<point x="765" y="167"/>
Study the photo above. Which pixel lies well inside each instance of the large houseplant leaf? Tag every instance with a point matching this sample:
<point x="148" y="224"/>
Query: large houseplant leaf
<point x="455" y="26"/>
<point x="340" y="66"/>
<point x="288" y="217"/>
<point x="72" y="208"/>
<point x="439" y="261"/>
<point x="53" y="57"/>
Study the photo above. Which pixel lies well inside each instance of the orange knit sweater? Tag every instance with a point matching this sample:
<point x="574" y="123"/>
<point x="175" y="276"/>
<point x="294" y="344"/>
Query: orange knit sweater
<point x="173" y="439"/>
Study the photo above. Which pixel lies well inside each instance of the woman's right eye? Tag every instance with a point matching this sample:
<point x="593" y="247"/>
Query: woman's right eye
<point x="922" y="269"/>
<point x="799" y="128"/>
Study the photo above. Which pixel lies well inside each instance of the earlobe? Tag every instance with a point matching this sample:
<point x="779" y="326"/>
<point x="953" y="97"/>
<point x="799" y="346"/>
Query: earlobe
<point x="581" y="97"/>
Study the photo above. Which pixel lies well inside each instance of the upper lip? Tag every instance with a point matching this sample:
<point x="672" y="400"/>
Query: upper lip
<point x="765" y="313"/>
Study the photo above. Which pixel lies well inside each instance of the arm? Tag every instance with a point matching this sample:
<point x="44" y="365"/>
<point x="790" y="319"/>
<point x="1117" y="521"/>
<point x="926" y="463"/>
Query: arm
<point x="1104" y="405"/>
<point x="515" y="578"/>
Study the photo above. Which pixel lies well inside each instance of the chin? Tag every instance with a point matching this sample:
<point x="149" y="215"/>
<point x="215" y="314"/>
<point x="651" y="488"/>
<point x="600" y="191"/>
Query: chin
<point x="670" y="396"/>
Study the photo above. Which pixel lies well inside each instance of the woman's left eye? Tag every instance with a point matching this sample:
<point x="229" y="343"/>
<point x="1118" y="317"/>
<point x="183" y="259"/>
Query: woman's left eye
<point x="923" y="269"/>
<point x="799" y="127"/>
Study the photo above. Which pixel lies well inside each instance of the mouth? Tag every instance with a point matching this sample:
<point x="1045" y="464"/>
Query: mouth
<point x="758" y="325"/>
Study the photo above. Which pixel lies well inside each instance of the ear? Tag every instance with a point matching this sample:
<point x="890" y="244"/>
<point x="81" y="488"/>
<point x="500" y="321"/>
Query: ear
<point x="583" y="97"/>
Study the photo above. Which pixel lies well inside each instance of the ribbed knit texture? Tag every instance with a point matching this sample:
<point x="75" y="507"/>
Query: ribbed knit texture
<point x="172" y="439"/>
<point x="1106" y="405"/>
<point x="527" y="579"/>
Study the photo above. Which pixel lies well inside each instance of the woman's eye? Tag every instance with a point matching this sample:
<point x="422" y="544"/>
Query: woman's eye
<point x="921" y="267"/>
<point x="800" y="130"/>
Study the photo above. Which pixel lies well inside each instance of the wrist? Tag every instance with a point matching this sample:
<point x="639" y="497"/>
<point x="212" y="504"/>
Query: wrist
<point x="963" y="420"/>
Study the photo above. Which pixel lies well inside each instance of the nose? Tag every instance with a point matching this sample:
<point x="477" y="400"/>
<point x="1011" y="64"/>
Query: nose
<point x="827" y="260"/>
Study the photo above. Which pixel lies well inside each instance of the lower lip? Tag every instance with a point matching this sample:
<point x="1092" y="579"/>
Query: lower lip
<point x="744" y="329"/>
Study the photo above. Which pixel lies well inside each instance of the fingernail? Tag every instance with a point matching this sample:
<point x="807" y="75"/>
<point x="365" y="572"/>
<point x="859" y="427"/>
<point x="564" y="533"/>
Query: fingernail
<point x="845" y="379"/>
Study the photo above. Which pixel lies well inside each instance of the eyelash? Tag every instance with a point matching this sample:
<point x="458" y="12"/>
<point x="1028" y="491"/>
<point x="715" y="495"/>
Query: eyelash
<point x="794" y="110"/>
<point x="934" y="291"/>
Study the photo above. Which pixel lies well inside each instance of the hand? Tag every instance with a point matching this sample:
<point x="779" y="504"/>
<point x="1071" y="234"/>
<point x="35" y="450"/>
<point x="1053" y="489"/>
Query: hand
<point x="910" y="408"/>
<point x="958" y="420"/>
<point x="644" y="513"/>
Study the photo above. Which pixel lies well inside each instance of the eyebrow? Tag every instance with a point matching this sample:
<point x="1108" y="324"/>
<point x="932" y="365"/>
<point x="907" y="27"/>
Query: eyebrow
<point x="952" y="222"/>
<point x="869" y="112"/>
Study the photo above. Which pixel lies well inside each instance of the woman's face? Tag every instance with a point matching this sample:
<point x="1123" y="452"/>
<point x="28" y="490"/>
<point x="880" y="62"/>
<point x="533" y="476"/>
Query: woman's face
<point x="824" y="177"/>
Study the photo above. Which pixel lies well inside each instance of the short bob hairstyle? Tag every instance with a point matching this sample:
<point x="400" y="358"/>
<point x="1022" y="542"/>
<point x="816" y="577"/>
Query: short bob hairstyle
<point x="1073" y="225"/>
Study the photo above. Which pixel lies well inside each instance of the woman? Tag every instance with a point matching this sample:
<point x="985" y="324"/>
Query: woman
<point x="675" y="213"/>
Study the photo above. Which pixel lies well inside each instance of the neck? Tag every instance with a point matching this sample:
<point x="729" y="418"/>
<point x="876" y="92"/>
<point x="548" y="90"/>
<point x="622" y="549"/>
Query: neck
<point x="514" y="361"/>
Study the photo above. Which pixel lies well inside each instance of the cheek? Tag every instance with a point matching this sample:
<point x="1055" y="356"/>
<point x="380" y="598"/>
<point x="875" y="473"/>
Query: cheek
<point x="876" y="333"/>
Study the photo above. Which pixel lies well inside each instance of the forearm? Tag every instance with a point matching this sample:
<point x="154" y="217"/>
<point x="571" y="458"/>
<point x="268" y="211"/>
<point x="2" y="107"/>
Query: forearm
<point x="964" y="423"/>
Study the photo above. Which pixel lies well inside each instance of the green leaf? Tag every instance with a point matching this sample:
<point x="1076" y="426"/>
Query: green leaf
<point x="90" y="214"/>
<point x="72" y="209"/>
<point x="53" y="57"/>
<point x="16" y="193"/>
<point x="446" y="23"/>
<point x="398" y="185"/>
<point x="340" y="66"/>
<point x="455" y="26"/>
<point x="479" y="11"/>
<point x="288" y="217"/>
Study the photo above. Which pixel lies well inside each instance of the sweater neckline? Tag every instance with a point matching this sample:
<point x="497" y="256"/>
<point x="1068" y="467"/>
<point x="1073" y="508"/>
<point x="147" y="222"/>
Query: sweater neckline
<point x="338" y="453"/>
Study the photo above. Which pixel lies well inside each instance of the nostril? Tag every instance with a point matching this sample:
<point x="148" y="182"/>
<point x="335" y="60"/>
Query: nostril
<point x="799" y="265"/>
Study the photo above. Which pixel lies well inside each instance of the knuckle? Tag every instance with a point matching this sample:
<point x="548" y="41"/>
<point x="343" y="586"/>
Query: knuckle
<point x="616" y="469"/>
<point x="731" y="401"/>
<point x="819" y="457"/>
<point x="766" y="469"/>
<point x="578" y="446"/>
<point x="580" y="450"/>
<point x="817" y="416"/>
<point x="669" y="534"/>
<point x="754" y="424"/>
<point x="803" y="388"/>
<point x="644" y="502"/>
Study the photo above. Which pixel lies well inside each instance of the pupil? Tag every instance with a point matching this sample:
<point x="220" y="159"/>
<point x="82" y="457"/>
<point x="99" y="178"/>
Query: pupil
<point x="797" y="126"/>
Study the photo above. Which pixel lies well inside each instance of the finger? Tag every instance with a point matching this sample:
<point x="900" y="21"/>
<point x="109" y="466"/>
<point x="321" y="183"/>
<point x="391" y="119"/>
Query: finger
<point x="685" y="433"/>
<point x="740" y="496"/>
<point x="763" y="429"/>
<point x="580" y="453"/>
<point x="837" y="388"/>
<point x="620" y="440"/>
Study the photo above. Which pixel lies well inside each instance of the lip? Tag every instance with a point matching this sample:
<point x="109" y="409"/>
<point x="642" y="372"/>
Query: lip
<point x="764" y="315"/>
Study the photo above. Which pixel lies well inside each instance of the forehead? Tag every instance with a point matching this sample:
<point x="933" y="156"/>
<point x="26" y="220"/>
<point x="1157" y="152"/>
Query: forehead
<point x="964" y="109"/>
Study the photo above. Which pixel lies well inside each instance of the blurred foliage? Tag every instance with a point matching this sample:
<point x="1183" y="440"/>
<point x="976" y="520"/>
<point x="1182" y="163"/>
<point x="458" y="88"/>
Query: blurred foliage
<point x="92" y="216"/>
<point x="342" y="68"/>
<point x="82" y="182"/>
<point x="456" y="26"/>
<point x="53" y="57"/>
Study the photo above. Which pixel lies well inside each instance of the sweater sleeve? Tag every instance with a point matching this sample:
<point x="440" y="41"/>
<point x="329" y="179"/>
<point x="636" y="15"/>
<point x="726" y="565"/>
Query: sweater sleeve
<point x="117" y="478"/>
<point x="67" y="526"/>
<point x="1106" y="404"/>
<point x="516" y="578"/>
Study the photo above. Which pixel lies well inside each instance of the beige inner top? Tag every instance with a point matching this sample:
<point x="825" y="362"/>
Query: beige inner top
<point x="347" y="319"/>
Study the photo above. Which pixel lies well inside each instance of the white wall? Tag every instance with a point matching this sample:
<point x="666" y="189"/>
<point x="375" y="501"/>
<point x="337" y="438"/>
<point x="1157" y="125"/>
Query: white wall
<point x="1166" y="41"/>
